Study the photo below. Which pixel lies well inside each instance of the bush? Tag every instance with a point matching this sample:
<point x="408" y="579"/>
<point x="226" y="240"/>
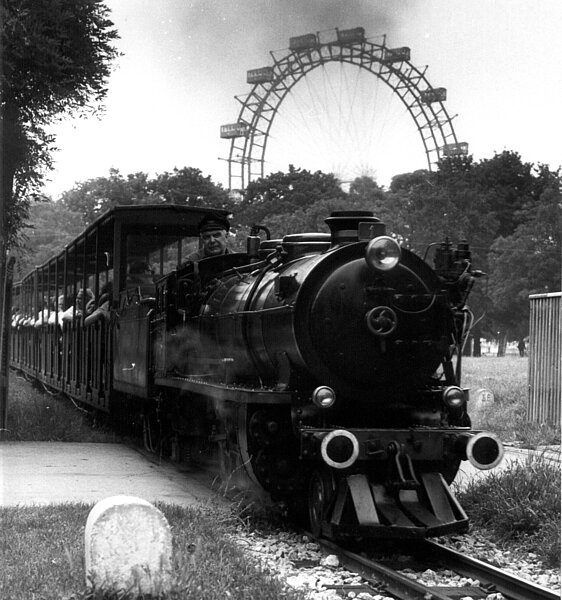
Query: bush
<point x="520" y="504"/>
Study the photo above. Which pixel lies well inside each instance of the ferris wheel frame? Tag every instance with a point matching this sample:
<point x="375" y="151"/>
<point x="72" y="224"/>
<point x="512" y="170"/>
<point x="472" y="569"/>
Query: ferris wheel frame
<point x="271" y="84"/>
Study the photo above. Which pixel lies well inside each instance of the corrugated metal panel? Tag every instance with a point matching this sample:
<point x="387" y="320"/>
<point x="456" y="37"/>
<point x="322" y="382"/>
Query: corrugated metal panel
<point x="545" y="357"/>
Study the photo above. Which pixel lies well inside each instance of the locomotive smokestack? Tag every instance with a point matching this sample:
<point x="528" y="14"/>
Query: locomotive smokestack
<point x="348" y="226"/>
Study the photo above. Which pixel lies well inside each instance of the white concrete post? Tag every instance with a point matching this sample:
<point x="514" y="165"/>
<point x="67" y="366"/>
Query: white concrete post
<point x="128" y="547"/>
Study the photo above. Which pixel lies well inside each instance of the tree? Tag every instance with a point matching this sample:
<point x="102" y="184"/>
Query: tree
<point x="51" y="226"/>
<point x="93" y="197"/>
<point x="509" y="183"/>
<point x="284" y="193"/>
<point x="187" y="186"/>
<point x="526" y="262"/>
<point x="56" y="57"/>
<point x="365" y="193"/>
<point x="190" y="187"/>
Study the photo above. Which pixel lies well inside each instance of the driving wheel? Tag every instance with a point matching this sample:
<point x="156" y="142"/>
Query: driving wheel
<point x="320" y="495"/>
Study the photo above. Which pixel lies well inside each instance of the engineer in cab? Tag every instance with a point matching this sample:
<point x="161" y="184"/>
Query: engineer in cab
<point x="213" y="236"/>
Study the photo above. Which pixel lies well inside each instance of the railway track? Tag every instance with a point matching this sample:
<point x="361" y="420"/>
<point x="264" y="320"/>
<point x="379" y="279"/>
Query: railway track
<point x="384" y="576"/>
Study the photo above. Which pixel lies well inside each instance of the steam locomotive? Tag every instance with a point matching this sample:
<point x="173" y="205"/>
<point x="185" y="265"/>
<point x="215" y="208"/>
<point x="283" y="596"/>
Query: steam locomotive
<point x="323" y="368"/>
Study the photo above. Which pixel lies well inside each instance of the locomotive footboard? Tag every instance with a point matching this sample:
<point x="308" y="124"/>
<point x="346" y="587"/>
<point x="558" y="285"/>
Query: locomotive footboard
<point x="358" y="507"/>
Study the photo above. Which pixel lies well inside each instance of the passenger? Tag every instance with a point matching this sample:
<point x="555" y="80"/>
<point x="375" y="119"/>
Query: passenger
<point x="213" y="233"/>
<point x="106" y="294"/>
<point x="71" y="312"/>
<point x="103" y="305"/>
<point x="84" y="300"/>
<point x="43" y="316"/>
<point x="16" y="316"/>
<point x="56" y="315"/>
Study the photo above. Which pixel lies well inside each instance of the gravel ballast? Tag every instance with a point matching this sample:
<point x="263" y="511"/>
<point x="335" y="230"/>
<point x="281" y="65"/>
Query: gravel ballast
<point x="302" y="565"/>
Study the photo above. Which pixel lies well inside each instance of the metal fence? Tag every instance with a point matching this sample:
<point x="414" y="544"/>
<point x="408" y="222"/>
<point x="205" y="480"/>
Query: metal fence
<point x="545" y="357"/>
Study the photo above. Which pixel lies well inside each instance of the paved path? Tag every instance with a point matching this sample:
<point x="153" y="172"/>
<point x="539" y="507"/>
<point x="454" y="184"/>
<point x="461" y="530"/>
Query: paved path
<point x="58" y="472"/>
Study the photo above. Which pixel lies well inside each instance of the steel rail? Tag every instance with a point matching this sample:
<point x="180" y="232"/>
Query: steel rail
<point x="376" y="574"/>
<point x="511" y="586"/>
<point x="491" y="578"/>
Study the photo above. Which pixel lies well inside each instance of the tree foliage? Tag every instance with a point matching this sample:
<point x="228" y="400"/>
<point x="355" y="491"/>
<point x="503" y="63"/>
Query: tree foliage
<point x="50" y="227"/>
<point x="190" y="187"/>
<point x="94" y="196"/>
<point x="286" y="193"/>
<point x="186" y="186"/>
<point x="56" y="58"/>
<point x="526" y="262"/>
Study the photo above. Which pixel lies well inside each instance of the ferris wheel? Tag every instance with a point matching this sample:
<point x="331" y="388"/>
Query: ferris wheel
<point x="252" y="134"/>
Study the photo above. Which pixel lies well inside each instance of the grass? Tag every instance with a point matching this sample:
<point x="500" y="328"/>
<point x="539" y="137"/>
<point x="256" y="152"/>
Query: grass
<point x="506" y="378"/>
<point x="43" y="557"/>
<point x="34" y="415"/>
<point x="520" y="506"/>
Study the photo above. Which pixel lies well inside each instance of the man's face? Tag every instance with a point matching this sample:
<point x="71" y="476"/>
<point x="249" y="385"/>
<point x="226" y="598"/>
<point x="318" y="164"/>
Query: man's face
<point x="214" y="242"/>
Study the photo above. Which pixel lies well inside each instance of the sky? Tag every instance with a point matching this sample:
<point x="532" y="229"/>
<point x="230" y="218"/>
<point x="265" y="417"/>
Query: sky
<point x="185" y="61"/>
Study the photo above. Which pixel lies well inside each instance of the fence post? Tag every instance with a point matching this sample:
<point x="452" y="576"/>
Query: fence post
<point x="6" y="320"/>
<point x="545" y="355"/>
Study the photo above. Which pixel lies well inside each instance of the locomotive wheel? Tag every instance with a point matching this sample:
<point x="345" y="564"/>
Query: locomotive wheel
<point x="228" y="464"/>
<point x="152" y="431"/>
<point x="235" y="462"/>
<point x="320" y="494"/>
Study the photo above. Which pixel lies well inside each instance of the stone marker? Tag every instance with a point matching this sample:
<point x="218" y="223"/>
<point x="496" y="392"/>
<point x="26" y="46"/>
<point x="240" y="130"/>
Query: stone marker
<point x="128" y="547"/>
<point x="481" y="398"/>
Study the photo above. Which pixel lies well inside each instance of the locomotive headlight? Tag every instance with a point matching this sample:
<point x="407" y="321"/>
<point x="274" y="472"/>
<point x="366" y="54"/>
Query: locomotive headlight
<point x="323" y="396"/>
<point x="383" y="253"/>
<point x="453" y="396"/>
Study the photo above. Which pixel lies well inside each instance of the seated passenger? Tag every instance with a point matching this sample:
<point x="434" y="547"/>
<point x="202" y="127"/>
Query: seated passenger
<point x="43" y="316"/>
<point x="16" y="315"/>
<point x="56" y="315"/>
<point x="103" y="305"/>
<point x="71" y="311"/>
<point x="213" y="234"/>
<point x="106" y="294"/>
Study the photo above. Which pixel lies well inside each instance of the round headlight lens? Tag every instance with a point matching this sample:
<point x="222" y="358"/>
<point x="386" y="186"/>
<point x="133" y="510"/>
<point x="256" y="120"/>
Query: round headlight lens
<point x="383" y="253"/>
<point x="324" y="396"/>
<point x="453" y="396"/>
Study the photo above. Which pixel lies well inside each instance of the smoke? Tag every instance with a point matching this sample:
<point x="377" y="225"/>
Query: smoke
<point x="232" y="30"/>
